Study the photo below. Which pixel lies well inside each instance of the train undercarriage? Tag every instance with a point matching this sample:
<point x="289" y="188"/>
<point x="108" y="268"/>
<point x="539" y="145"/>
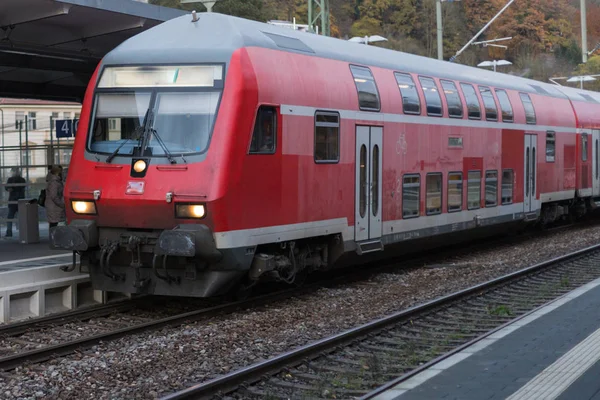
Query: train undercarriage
<point x="185" y="261"/>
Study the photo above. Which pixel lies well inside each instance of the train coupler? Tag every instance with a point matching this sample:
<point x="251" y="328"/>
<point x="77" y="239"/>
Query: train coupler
<point x="107" y="252"/>
<point x="166" y="277"/>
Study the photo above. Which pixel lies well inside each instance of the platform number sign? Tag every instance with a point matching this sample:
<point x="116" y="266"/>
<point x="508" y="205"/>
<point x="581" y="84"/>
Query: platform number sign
<point x="66" y="128"/>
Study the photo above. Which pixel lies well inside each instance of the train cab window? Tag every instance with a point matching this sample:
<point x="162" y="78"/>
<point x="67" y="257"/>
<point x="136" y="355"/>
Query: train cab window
<point x="455" y="108"/>
<point x="118" y="117"/>
<point x="491" y="188"/>
<point x="327" y="137"/>
<point x="529" y="109"/>
<point x="474" y="190"/>
<point x="455" y="190"/>
<point x="434" y="193"/>
<point x="550" y="146"/>
<point x="584" y="147"/>
<point x="505" y="106"/>
<point x="264" y="137"/>
<point x="472" y="101"/>
<point x="507" y="186"/>
<point x="410" y="98"/>
<point x="491" y="110"/>
<point x="433" y="102"/>
<point x="411" y="188"/>
<point x="368" y="96"/>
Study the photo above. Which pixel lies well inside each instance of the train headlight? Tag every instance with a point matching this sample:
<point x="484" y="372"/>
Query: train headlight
<point x="139" y="166"/>
<point x="83" y="207"/>
<point x="195" y="211"/>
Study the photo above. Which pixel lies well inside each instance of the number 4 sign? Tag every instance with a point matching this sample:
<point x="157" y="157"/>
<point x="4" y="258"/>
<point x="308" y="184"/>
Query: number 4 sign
<point x="66" y="128"/>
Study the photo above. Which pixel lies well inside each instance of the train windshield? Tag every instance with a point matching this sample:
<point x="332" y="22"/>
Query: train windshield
<point x="180" y="103"/>
<point x="183" y="121"/>
<point x="119" y="118"/>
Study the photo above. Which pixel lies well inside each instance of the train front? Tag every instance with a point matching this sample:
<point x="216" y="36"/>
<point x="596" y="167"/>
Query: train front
<point x="147" y="172"/>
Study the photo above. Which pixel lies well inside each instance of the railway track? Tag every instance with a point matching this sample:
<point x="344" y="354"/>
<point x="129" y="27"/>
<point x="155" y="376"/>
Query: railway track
<point x="355" y="363"/>
<point x="40" y="339"/>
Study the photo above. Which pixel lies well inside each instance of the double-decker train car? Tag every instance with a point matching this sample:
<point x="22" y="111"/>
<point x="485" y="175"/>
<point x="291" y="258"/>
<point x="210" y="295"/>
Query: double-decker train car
<point x="214" y="151"/>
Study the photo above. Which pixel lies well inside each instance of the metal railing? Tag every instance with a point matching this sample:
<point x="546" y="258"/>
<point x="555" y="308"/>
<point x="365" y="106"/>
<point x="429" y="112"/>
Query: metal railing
<point x="30" y="146"/>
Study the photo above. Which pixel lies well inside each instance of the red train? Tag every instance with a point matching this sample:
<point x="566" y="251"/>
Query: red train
<point x="215" y="153"/>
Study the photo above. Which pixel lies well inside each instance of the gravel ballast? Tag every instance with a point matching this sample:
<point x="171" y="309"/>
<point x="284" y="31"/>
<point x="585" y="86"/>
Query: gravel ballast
<point x="154" y="364"/>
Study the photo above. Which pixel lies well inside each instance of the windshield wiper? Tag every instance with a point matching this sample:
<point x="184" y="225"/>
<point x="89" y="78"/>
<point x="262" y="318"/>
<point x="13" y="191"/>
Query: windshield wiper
<point x="162" y="144"/>
<point x="137" y="134"/>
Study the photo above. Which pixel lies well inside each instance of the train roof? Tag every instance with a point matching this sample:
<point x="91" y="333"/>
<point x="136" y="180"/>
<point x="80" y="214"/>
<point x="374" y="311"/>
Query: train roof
<point x="214" y="38"/>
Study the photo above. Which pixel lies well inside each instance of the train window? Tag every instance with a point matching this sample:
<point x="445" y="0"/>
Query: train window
<point x="491" y="110"/>
<point x="597" y="158"/>
<point x="433" y="102"/>
<point x="529" y="109"/>
<point x="265" y="131"/>
<point x="584" y="147"/>
<point x="455" y="108"/>
<point x="375" y="184"/>
<point x="472" y="101"/>
<point x="491" y="188"/>
<point x="363" y="181"/>
<point x="507" y="186"/>
<point x="368" y="96"/>
<point x="117" y="118"/>
<point x="410" y="98"/>
<point x="434" y="193"/>
<point x="474" y="190"/>
<point x="505" y="106"/>
<point x="550" y="146"/>
<point x="455" y="190"/>
<point x="327" y="137"/>
<point x="411" y="187"/>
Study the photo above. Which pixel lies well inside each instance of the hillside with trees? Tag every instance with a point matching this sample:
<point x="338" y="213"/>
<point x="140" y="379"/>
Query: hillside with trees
<point x="546" y="33"/>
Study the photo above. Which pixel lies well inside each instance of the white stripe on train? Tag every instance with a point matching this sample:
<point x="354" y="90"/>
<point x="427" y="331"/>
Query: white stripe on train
<point x="281" y="233"/>
<point x="304" y="111"/>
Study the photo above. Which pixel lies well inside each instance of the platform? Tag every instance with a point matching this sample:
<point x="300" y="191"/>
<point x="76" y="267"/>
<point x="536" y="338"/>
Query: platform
<point x="15" y="255"/>
<point x="552" y="353"/>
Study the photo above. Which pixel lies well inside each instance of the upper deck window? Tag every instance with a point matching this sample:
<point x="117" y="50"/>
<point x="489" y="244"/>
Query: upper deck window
<point x="491" y="111"/>
<point x="161" y="76"/>
<point x="529" y="109"/>
<point x="455" y="108"/>
<point x="368" y="96"/>
<point x="472" y="101"/>
<point x="432" y="97"/>
<point x="410" y="98"/>
<point x="507" y="111"/>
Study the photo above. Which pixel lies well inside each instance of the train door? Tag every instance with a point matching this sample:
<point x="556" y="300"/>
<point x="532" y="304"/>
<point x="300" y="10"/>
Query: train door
<point x="530" y="181"/>
<point x="368" y="223"/>
<point x="596" y="162"/>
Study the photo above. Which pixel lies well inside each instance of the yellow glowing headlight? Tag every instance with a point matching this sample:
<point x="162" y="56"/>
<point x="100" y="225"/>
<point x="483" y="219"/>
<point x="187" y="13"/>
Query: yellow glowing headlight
<point x="190" y="211"/>
<point x="139" y="166"/>
<point x="83" y="207"/>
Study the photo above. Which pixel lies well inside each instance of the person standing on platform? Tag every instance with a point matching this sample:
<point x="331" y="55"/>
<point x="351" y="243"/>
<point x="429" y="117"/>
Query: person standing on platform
<point x="55" y="203"/>
<point x="16" y="188"/>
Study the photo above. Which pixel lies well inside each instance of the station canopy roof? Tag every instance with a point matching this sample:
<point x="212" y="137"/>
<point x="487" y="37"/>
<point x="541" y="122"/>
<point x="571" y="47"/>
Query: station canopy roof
<point x="49" y="49"/>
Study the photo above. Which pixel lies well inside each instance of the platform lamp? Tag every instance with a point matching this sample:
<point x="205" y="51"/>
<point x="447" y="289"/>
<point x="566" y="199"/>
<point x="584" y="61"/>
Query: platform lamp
<point x="367" y="39"/>
<point x="494" y="63"/>
<point x="207" y="3"/>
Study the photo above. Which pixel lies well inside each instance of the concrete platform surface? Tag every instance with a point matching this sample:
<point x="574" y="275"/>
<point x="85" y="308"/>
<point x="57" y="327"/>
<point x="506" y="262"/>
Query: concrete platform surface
<point x="553" y="353"/>
<point x="11" y="249"/>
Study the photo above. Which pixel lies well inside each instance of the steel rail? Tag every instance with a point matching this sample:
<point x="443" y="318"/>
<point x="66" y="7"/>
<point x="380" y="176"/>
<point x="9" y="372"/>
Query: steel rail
<point x="34" y="356"/>
<point x="355" y="273"/>
<point x="257" y="372"/>
<point x="62" y="349"/>
<point x="80" y="314"/>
